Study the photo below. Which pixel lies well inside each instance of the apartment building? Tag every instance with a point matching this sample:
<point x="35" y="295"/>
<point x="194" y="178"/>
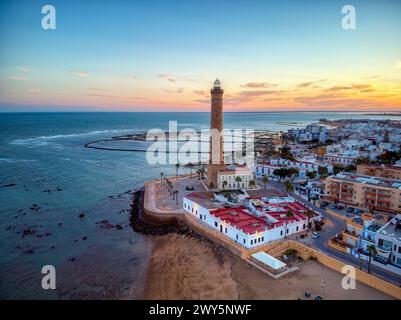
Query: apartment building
<point x="383" y="171"/>
<point x="364" y="192"/>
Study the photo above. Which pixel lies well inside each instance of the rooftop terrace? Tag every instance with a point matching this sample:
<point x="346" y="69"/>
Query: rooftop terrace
<point x="369" y="180"/>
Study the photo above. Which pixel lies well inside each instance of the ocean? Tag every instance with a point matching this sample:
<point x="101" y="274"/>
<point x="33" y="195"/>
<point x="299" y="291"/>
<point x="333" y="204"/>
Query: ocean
<point x="61" y="203"/>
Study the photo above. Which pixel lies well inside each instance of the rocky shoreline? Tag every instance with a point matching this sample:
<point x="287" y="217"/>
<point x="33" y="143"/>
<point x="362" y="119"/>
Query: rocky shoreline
<point x="139" y="225"/>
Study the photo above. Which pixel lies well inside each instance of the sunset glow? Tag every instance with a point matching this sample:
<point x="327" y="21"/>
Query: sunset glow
<point x="133" y="57"/>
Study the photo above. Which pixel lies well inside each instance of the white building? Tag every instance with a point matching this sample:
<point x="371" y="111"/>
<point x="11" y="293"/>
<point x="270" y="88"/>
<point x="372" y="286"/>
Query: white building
<point x="388" y="241"/>
<point x="303" y="167"/>
<point x="235" y="177"/>
<point x="251" y="226"/>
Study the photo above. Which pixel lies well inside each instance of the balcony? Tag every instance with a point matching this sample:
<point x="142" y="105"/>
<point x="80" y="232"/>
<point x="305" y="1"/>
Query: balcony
<point x="351" y="233"/>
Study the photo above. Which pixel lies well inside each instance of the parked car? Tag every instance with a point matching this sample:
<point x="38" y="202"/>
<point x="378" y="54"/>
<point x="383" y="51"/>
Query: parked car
<point x="315" y="235"/>
<point x="350" y="210"/>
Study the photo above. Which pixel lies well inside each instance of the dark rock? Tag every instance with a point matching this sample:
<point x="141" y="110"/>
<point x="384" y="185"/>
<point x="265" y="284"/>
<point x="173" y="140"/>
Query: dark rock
<point x="8" y="185"/>
<point x="82" y="215"/>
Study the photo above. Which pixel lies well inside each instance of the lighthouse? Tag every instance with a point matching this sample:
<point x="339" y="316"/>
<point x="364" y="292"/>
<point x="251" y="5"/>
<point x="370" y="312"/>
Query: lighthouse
<point x="216" y="124"/>
<point x="216" y="158"/>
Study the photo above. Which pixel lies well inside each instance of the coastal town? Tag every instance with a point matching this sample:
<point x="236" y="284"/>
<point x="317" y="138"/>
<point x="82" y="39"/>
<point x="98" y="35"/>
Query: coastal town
<point x="330" y="192"/>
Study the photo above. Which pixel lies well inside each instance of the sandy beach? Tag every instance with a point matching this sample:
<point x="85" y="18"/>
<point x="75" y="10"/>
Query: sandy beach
<point x="184" y="268"/>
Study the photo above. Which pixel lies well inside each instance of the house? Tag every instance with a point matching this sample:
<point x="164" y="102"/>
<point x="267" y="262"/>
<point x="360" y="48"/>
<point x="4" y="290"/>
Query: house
<point x="258" y="221"/>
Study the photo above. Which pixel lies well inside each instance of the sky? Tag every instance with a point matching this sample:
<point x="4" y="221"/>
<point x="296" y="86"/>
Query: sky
<point x="164" y="55"/>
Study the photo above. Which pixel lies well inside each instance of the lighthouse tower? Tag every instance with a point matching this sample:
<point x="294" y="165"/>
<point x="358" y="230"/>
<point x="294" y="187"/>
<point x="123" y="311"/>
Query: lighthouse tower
<point x="216" y="124"/>
<point x="216" y="159"/>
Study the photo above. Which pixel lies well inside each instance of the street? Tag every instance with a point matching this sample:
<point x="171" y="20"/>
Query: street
<point x="337" y="225"/>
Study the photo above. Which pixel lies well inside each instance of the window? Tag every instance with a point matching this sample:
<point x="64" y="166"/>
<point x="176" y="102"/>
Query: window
<point x="304" y="226"/>
<point x="215" y="224"/>
<point x="281" y="232"/>
<point x="236" y="236"/>
<point x="263" y="238"/>
<point x="251" y="242"/>
<point x="297" y="228"/>
<point x="399" y="249"/>
<point x="225" y="230"/>
<point x="244" y="241"/>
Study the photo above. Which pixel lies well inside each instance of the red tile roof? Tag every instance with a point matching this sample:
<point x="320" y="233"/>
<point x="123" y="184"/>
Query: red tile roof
<point x="241" y="219"/>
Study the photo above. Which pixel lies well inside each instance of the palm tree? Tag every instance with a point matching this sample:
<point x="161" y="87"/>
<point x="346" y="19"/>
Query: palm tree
<point x="177" y="166"/>
<point x="252" y="183"/>
<point x="161" y="177"/>
<point x="238" y="180"/>
<point x="224" y="184"/>
<point x="170" y="187"/>
<point x="288" y="186"/>
<point x="201" y="171"/>
<point x="309" y="213"/>
<point x="190" y="166"/>
<point x="265" y="180"/>
<point x="372" y="253"/>
<point x="176" y="197"/>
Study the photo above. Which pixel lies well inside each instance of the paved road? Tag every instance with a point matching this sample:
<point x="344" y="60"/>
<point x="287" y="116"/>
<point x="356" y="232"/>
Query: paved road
<point x="337" y="226"/>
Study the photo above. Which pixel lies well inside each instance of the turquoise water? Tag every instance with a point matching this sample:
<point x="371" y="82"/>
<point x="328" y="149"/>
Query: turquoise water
<point x="43" y="164"/>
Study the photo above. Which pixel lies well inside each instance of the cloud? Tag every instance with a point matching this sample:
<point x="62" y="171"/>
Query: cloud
<point x="12" y="77"/>
<point x="255" y="85"/>
<point x="256" y="93"/>
<point x="167" y="77"/>
<point x="24" y="69"/>
<point x="200" y="92"/>
<point x="35" y="91"/>
<point x="331" y="100"/>
<point x="357" y="87"/>
<point x="80" y="74"/>
<point x="310" y="83"/>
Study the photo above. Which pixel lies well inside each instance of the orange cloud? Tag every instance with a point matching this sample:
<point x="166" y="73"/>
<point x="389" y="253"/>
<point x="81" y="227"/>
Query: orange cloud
<point x="255" y="85"/>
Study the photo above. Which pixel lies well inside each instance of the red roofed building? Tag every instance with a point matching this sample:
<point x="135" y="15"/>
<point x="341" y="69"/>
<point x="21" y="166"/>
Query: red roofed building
<point x="260" y="223"/>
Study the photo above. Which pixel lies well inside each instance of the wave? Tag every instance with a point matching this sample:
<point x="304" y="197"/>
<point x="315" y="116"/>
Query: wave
<point x="8" y="160"/>
<point x="42" y="140"/>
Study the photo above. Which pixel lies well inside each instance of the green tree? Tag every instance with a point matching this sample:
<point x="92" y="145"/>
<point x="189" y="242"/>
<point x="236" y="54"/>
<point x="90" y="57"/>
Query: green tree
<point x="309" y="214"/>
<point x="190" y="166"/>
<point x="224" y="184"/>
<point x="238" y="180"/>
<point x="285" y="153"/>
<point x="265" y="180"/>
<point x="322" y="171"/>
<point x="372" y="253"/>
<point x="288" y="186"/>
<point x="177" y="166"/>
<point x="293" y="172"/>
<point x="311" y="175"/>
<point x="252" y="183"/>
